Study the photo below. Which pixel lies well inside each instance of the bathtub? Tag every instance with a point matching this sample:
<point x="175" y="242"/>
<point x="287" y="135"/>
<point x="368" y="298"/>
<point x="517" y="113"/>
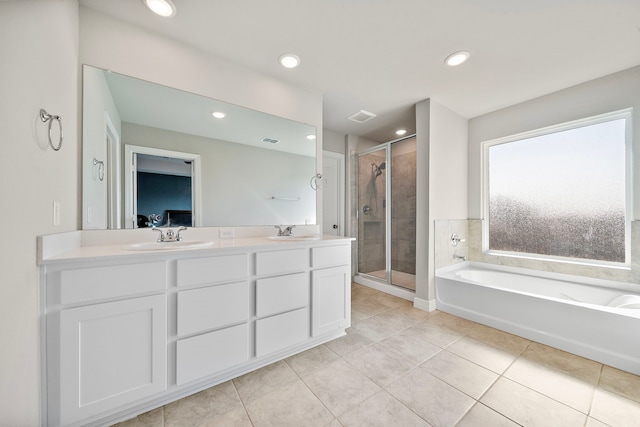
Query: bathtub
<point x="596" y="319"/>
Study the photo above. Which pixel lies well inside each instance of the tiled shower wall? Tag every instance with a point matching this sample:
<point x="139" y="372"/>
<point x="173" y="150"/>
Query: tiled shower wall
<point x="371" y="192"/>
<point x="371" y="226"/>
<point x="403" y="213"/>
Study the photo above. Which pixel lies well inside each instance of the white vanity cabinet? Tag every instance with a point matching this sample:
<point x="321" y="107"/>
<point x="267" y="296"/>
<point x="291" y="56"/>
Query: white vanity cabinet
<point x="106" y="338"/>
<point x="212" y="319"/>
<point x="129" y="332"/>
<point x="331" y="289"/>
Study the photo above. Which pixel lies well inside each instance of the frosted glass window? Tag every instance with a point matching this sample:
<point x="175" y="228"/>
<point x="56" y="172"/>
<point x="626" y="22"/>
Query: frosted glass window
<point x="561" y="193"/>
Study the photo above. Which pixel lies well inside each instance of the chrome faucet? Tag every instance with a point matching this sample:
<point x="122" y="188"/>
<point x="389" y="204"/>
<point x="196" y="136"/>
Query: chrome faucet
<point x="170" y="236"/>
<point x="288" y="231"/>
<point x="460" y="257"/>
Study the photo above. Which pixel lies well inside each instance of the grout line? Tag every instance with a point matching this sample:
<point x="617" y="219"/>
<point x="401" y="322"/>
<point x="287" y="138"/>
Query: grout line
<point x="242" y="402"/>
<point x="316" y="396"/>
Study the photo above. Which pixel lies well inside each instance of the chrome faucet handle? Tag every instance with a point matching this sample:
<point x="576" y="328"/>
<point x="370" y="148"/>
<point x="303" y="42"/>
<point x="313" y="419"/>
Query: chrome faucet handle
<point x="280" y="232"/>
<point x="455" y="240"/>
<point x="161" y="236"/>
<point x="179" y="237"/>
<point x="289" y="230"/>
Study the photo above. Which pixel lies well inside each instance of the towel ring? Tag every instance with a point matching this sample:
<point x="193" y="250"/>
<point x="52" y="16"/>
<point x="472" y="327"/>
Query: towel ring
<point x="100" y="164"/>
<point x="46" y="117"/>
<point x="317" y="181"/>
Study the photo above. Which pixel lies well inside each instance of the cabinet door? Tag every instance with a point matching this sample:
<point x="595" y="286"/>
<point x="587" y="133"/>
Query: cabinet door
<point x="111" y="354"/>
<point x="330" y="300"/>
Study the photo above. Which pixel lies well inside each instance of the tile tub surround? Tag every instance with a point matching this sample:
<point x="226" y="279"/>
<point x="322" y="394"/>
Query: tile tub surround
<point x="632" y="274"/>
<point x="399" y="366"/>
<point x="445" y="252"/>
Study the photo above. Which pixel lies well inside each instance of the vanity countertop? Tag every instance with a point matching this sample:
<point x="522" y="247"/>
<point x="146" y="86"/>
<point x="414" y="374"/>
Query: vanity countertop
<point x="67" y="247"/>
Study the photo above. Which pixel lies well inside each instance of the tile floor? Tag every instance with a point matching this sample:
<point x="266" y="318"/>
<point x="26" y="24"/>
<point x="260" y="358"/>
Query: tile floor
<point x="399" y="366"/>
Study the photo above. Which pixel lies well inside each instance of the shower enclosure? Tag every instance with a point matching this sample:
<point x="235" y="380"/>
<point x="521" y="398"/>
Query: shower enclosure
<point x="386" y="215"/>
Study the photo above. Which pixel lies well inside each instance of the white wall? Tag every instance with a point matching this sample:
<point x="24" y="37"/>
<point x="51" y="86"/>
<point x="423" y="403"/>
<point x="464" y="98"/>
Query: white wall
<point x="39" y="48"/>
<point x="333" y="141"/>
<point x="610" y="93"/>
<point x="441" y="185"/>
<point x="111" y="44"/>
<point x="448" y="165"/>
<point x="614" y="92"/>
<point x="239" y="180"/>
<point x="97" y="101"/>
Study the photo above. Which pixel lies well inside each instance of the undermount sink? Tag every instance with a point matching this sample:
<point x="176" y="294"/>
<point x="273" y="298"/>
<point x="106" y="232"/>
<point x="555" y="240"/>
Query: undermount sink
<point x="164" y="246"/>
<point x="289" y="238"/>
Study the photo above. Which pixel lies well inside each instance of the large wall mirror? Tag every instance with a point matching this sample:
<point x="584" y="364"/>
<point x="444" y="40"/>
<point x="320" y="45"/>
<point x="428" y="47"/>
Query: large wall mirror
<point x="158" y="156"/>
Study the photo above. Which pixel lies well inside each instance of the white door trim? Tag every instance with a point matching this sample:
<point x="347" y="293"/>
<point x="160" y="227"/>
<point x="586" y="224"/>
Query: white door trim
<point x="130" y="152"/>
<point x="340" y="188"/>
<point x="114" y="192"/>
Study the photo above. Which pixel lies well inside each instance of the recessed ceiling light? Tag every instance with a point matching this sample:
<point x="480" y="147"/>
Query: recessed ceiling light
<point x="457" y="58"/>
<point x="401" y="132"/>
<point x="218" y="114"/>
<point x="311" y="137"/>
<point x="164" y="8"/>
<point x="289" y="60"/>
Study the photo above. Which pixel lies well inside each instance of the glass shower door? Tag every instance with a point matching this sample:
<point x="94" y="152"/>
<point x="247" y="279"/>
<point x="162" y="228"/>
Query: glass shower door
<point x="372" y="218"/>
<point x="387" y="213"/>
<point x="403" y="213"/>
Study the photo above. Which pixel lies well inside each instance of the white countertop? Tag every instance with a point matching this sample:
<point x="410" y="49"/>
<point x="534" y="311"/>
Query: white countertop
<point x="78" y="246"/>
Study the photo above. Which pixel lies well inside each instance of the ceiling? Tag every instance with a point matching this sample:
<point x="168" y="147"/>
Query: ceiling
<point x="384" y="56"/>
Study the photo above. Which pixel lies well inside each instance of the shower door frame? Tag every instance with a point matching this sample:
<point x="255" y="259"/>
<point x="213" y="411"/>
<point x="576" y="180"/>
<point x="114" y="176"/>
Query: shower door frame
<point x="368" y="279"/>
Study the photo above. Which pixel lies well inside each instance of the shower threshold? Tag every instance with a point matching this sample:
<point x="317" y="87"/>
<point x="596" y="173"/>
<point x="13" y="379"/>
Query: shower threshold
<point x="379" y="283"/>
<point x="398" y="278"/>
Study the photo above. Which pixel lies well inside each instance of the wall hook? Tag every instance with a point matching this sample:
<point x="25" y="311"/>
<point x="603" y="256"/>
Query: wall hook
<point x="46" y="117"/>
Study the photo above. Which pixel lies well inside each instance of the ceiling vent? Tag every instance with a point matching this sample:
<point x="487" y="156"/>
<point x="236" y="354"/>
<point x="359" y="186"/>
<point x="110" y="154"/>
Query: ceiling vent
<point x="361" y="116"/>
<point x="270" y="140"/>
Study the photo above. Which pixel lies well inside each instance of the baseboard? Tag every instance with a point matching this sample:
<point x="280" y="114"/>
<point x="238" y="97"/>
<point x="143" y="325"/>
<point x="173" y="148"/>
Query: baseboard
<point x="424" y="304"/>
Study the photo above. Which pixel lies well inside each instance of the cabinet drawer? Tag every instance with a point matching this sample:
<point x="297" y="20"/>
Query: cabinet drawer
<point x="212" y="307"/>
<point x="330" y="256"/>
<point x="281" y="331"/>
<point x="282" y="293"/>
<point x="281" y="261"/>
<point x="89" y="284"/>
<point x="200" y="271"/>
<point x="210" y="353"/>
